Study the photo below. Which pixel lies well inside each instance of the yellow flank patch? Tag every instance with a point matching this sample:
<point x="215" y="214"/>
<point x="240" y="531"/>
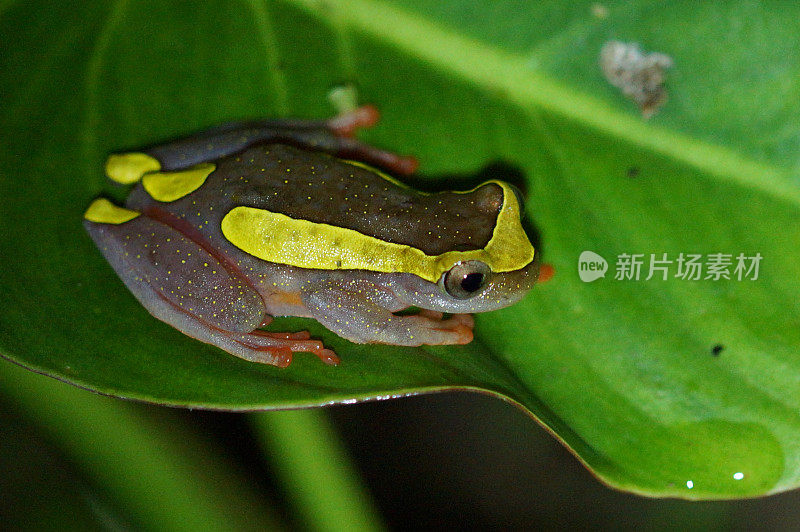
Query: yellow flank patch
<point x="128" y="168"/>
<point x="103" y="211"/>
<point x="278" y="238"/>
<point x="170" y="186"/>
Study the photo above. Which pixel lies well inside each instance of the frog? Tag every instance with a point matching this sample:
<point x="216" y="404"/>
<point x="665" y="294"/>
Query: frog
<point x="225" y="229"/>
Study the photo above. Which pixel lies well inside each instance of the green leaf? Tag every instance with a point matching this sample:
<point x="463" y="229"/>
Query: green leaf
<point x="129" y="466"/>
<point x="41" y="490"/>
<point x="622" y="371"/>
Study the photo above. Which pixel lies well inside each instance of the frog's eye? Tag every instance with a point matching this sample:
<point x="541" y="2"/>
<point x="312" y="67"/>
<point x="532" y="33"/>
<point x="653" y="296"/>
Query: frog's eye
<point x="466" y="279"/>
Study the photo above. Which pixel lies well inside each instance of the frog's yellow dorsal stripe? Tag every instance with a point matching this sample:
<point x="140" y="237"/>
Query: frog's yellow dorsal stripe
<point x="128" y="168"/>
<point x="103" y="211"/>
<point x="278" y="238"/>
<point x="170" y="186"/>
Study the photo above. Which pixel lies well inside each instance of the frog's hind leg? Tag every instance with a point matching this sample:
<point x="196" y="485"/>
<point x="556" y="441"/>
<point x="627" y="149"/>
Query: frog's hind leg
<point x="195" y="289"/>
<point x="334" y="136"/>
<point x="344" y="128"/>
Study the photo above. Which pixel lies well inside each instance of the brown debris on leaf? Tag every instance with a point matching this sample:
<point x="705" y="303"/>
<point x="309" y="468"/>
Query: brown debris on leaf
<point x="639" y="76"/>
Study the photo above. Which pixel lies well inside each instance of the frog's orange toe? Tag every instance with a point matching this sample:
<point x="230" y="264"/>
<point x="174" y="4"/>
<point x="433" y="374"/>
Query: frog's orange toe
<point x="328" y="356"/>
<point x="464" y="334"/>
<point x="404" y="164"/>
<point x="317" y="348"/>
<point x="400" y="164"/>
<point x="546" y="272"/>
<point x="282" y="356"/>
<point x="348" y="123"/>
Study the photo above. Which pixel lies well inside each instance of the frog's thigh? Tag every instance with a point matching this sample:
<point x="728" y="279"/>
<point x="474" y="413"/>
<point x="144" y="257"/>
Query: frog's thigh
<point x="356" y="316"/>
<point x="174" y="277"/>
<point x="183" y="285"/>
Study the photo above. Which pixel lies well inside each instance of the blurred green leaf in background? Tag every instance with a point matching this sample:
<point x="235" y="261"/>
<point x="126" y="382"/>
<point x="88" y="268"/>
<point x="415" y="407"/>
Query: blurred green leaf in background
<point x="625" y="373"/>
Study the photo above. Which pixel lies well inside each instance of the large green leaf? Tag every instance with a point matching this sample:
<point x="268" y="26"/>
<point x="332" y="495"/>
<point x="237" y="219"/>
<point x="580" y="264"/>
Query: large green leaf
<point x="77" y="461"/>
<point x="622" y="371"/>
<point x="41" y="490"/>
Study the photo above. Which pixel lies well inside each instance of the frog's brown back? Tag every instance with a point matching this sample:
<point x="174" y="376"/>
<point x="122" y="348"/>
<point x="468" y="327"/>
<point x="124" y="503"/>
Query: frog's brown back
<point x="322" y="189"/>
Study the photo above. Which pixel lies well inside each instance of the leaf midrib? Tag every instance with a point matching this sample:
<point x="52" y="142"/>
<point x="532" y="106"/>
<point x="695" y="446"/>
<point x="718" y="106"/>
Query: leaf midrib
<point x="501" y="72"/>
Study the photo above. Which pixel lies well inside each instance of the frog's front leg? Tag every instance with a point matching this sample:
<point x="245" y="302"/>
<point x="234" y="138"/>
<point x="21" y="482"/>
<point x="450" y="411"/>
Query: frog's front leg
<point x="363" y="313"/>
<point x="333" y="136"/>
<point x="188" y="285"/>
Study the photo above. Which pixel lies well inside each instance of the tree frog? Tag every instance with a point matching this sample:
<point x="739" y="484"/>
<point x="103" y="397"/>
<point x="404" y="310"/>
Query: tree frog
<point x="227" y="228"/>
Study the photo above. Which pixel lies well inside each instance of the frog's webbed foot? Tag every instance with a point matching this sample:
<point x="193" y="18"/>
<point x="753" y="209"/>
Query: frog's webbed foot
<point x="346" y="124"/>
<point x="344" y="127"/>
<point x="459" y="326"/>
<point x="278" y="348"/>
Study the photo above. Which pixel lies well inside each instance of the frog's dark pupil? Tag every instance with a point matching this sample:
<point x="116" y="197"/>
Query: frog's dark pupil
<point x="472" y="282"/>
